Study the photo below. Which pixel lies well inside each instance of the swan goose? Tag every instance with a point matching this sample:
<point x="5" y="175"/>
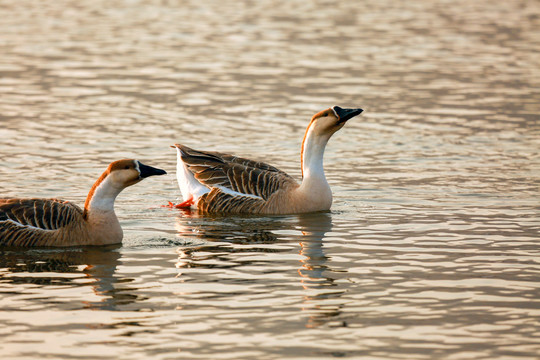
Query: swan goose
<point x="54" y="222"/>
<point x="214" y="182"/>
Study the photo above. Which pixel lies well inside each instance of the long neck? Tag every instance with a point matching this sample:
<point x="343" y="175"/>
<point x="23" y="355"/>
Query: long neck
<point x="314" y="193"/>
<point x="101" y="197"/>
<point x="312" y="156"/>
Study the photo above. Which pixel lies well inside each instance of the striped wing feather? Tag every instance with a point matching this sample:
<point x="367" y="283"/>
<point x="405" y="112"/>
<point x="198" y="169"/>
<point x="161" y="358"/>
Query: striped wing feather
<point x="248" y="163"/>
<point x="218" y="201"/>
<point x="237" y="174"/>
<point x="25" y="222"/>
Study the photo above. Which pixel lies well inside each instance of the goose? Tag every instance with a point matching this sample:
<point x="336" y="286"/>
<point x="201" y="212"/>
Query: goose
<point x="214" y="182"/>
<point x="54" y="222"/>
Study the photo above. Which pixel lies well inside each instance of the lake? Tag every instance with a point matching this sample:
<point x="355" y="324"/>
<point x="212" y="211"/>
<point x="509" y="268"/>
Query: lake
<point x="431" y="248"/>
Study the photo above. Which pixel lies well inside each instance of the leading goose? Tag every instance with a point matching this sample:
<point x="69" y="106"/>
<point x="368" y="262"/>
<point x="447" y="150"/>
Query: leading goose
<point x="53" y="222"/>
<point x="220" y="183"/>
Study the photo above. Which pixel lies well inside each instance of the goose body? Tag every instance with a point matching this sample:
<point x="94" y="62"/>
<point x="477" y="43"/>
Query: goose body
<point x="54" y="222"/>
<point x="214" y="182"/>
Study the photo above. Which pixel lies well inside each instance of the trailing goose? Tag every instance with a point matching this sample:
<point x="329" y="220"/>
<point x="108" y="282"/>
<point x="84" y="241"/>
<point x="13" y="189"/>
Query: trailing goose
<point x="53" y="222"/>
<point x="214" y="182"/>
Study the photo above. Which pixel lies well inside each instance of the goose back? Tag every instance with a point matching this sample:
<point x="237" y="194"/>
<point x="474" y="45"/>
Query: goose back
<point x="237" y="185"/>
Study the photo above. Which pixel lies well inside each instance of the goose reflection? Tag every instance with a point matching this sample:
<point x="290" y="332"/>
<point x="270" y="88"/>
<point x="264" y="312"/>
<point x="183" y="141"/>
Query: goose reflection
<point x="214" y="244"/>
<point x="320" y="297"/>
<point x="236" y="229"/>
<point x="94" y="266"/>
<point x="210" y="232"/>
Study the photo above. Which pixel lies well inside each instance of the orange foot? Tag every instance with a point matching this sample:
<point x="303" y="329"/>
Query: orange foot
<point x="183" y="205"/>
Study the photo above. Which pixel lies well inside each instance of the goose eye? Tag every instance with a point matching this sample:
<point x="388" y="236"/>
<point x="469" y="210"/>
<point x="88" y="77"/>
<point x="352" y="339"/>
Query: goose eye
<point x="127" y="167"/>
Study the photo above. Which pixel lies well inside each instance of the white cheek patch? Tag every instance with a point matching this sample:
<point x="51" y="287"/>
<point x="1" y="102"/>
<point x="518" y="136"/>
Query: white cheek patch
<point x="136" y="162"/>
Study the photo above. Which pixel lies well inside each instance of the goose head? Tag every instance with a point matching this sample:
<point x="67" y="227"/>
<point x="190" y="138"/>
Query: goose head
<point x="322" y="126"/>
<point x="127" y="172"/>
<point x="119" y="175"/>
<point x="328" y="121"/>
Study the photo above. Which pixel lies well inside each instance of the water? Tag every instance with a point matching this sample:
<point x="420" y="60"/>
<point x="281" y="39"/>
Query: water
<point x="430" y="250"/>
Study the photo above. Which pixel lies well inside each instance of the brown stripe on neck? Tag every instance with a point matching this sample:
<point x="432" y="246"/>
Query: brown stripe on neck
<point x="93" y="190"/>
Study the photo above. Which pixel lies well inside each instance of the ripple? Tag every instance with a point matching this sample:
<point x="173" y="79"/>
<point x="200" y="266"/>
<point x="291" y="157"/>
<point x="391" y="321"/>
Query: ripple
<point x="430" y="250"/>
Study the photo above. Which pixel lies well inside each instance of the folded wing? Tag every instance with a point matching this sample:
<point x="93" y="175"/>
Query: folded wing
<point x="234" y="180"/>
<point x="27" y="222"/>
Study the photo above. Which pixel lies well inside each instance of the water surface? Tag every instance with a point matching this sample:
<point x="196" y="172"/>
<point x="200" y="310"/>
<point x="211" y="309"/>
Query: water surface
<point x="430" y="250"/>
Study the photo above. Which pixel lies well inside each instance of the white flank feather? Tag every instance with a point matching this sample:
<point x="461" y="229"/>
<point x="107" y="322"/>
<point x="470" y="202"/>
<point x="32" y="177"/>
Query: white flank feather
<point x="189" y="186"/>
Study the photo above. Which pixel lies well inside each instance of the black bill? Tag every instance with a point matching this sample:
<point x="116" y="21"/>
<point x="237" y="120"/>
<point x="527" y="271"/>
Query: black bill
<point x="346" y="114"/>
<point x="146" y="171"/>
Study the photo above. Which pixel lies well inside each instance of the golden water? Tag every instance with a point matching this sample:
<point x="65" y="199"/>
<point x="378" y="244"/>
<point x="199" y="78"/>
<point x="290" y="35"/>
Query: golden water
<point x="430" y="250"/>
